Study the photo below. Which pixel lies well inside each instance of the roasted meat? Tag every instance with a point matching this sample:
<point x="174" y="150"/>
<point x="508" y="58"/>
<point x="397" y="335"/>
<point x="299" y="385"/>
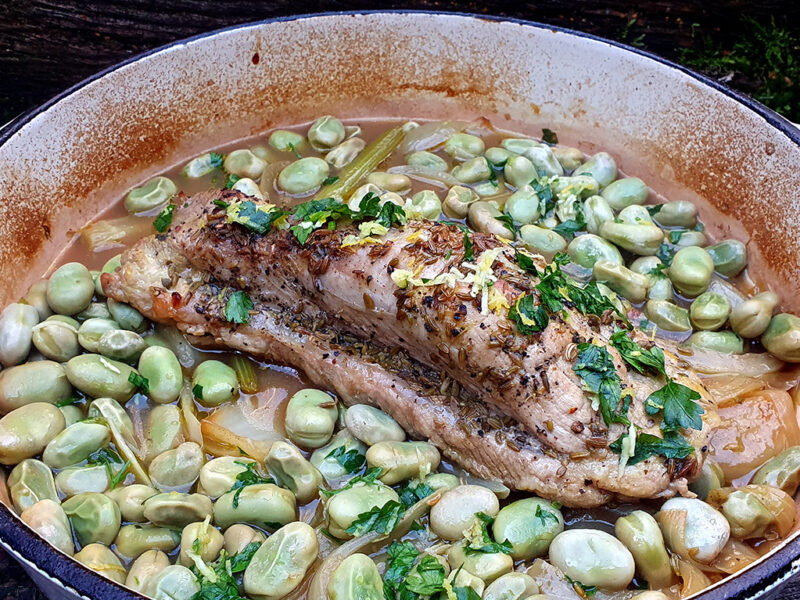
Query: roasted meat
<point x="362" y="319"/>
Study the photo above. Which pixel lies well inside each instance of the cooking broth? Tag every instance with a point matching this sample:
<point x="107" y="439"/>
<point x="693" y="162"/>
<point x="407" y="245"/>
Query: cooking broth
<point x="760" y="416"/>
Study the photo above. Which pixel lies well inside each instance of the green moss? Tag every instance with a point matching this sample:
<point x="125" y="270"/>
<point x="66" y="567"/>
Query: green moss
<point x="762" y="60"/>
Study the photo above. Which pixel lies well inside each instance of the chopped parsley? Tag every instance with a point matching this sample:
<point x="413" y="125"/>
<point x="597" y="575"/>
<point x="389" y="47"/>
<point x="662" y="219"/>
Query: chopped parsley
<point x="314" y="214"/>
<point x="382" y="519"/>
<point x="654" y="209"/>
<point x="115" y="467"/>
<point x="330" y="180"/>
<point x="545" y="194"/>
<point x="245" y="478"/>
<point x="671" y="445"/>
<point x="413" y="492"/>
<point x="527" y="316"/>
<point x="665" y="253"/>
<point x="69" y="401"/>
<point x="568" y="228"/>
<point x="293" y="149"/>
<point x="139" y="382"/>
<point x="678" y="405"/>
<point x="231" y="181"/>
<point x="549" y="136"/>
<point x="368" y="478"/>
<point x="595" y="367"/>
<point x="465" y="593"/>
<point x="350" y="460"/>
<point x="637" y="357"/>
<point x="240" y="561"/>
<point x="217" y="580"/>
<point x="554" y="288"/>
<point x="164" y="218"/>
<point x="675" y="235"/>
<point x="401" y="557"/>
<point x="483" y="543"/>
<point x="197" y="391"/>
<point x="544" y="516"/>
<point x="427" y="578"/>
<point x="258" y="218"/>
<point x="507" y="220"/>
<point x="238" y="307"/>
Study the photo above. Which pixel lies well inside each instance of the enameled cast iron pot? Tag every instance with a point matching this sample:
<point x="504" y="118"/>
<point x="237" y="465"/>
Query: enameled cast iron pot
<point x="687" y="136"/>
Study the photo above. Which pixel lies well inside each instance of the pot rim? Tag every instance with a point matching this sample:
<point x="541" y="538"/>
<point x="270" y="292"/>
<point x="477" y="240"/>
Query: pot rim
<point x="23" y="543"/>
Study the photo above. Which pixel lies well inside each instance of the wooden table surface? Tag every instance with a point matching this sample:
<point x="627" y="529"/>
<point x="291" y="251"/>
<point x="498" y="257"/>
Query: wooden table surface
<point x="48" y="45"/>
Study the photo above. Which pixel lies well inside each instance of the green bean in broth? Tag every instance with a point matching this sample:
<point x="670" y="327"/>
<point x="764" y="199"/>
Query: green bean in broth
<point x="265" y="483"/>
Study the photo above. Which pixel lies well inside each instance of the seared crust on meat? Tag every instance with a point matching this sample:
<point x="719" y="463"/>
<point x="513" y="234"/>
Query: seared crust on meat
<point x="503" y="405"/>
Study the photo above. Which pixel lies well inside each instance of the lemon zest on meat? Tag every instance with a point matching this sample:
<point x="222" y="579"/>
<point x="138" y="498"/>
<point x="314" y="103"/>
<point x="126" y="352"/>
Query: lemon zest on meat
<point x="368" y="228"/>
<point x="483" y="277"/>
<point x="498" y="303"/>
<point x="351" y="240"/>
<point x="404" y="278"/>
<point x="419" y="234"/>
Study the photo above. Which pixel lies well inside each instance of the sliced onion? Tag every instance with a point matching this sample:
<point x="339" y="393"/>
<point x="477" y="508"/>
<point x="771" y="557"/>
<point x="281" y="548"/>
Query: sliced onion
<point x="426" y="175"/>
<point x="268" y="177"/>
<point x="694" y="580"/>
<point x="430" y="135"/>
<point x="115" y="233"/>
<point x="733" y="557"/>
<point x="367" y="543"/>
<point x="192" y="429"/>
<point x="173" y="339"/>
<point x="754" y="365"/>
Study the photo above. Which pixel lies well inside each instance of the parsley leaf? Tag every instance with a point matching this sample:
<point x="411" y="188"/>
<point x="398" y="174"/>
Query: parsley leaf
<point x="636" y="356"/>
<point x="549" y="136"/>
<point x="568" y="228"/>
<point x="241" y="560"/>
<point x="413" y="492"/>
<point x="654" y="209"/>
<point x="671" y="445"/>
<point x="69" y="401"/>
<point x="223" y="586"/>
<point x="139" y="382"/>
<point x="115" y="467"/>
<point x="665" y="253"/>
<point x="197" y="391"/>
<point x="679" y="406"/>
<point x="427" y="578"/>
<point x="382" y="519"/>
<point x="390" y="214"/>
<point x="595" y="367"/>
<point x="254" y="217"/>
<point x="164" y="218"/>
<point x="238" y="307"/>
<point x="545" y="194"/>
<point x="466" y="593"/>
<point x="487" y="545"/>
<point x="231" y="181"/>
<point x="526" y="263"/>
<point x="368" y="478"/>
<point x="330" y="180"/>
<point x="507" y="220"/>
<point x="220" y="203"/>
<point x="401" y="558"/>
<point x="527" y="316"/>
<point x="350" y="460"/>
<point x="293" y="149"/>
<point x="675" y="235"/>
<point x="544" y="515"/>
<point x="313" y="214"/>
<point x="247" y="477"/>
<point x="469" y="249"/>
